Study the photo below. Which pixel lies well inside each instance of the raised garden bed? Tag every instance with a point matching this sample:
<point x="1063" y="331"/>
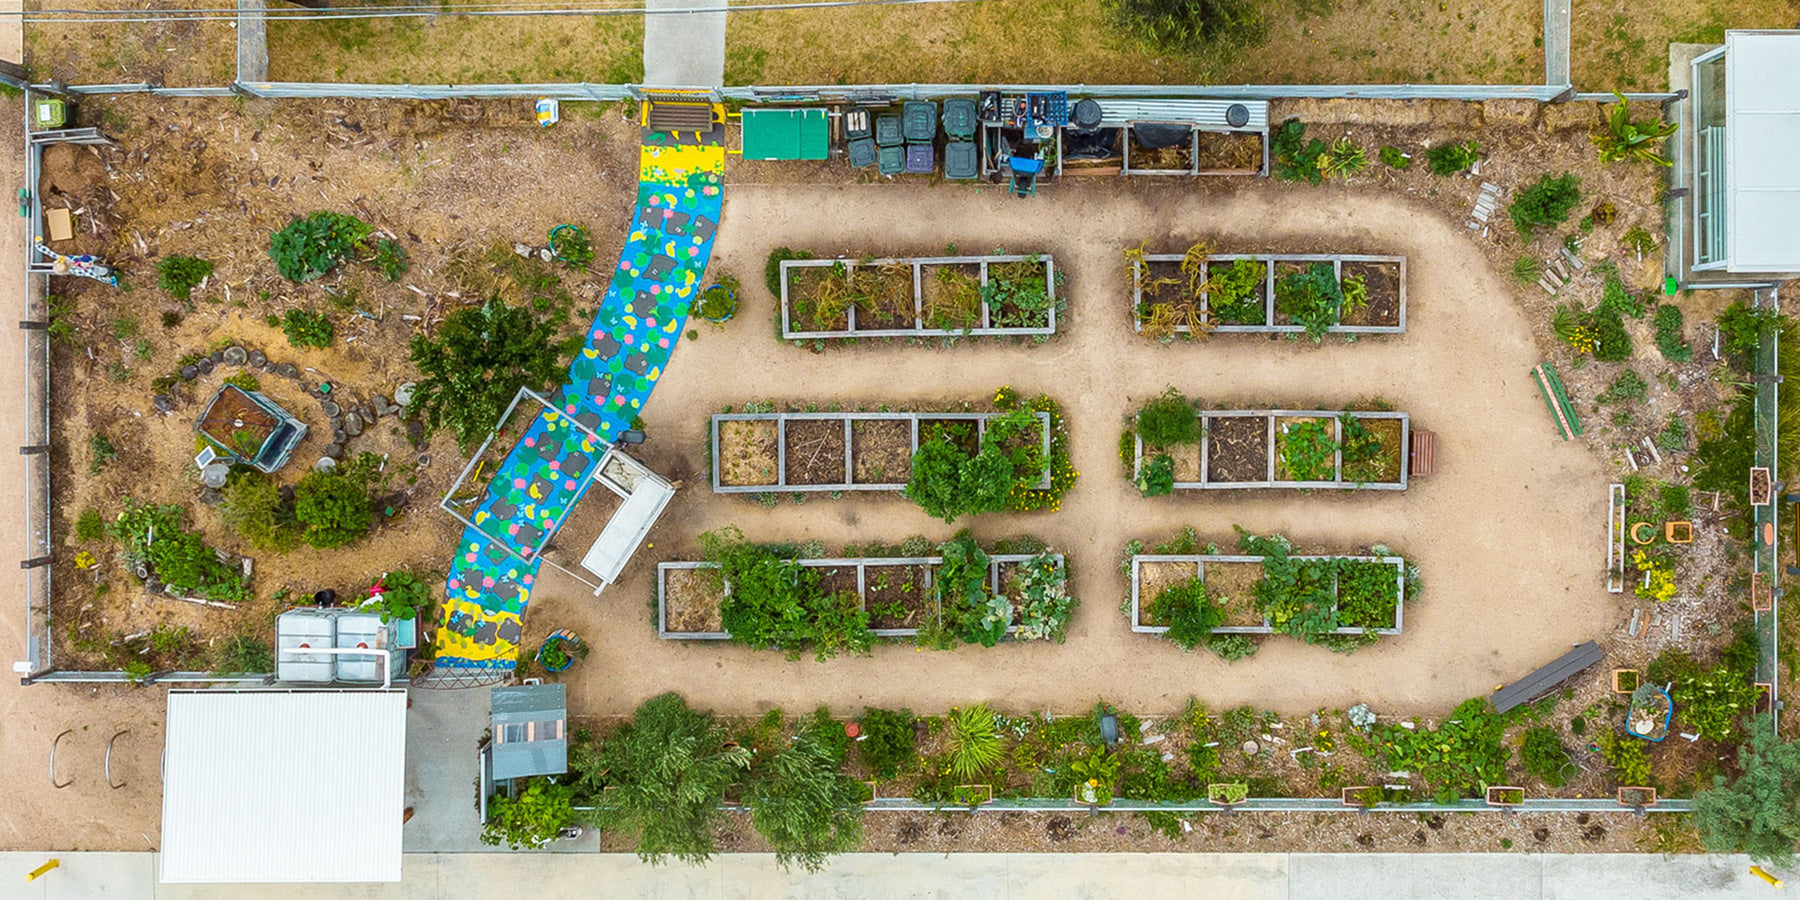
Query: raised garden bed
<point x="1151" y="573"/>
<point x="1241" y="293"/>
<point x="1284" y="448"/>
<point x="833" y="451"/>
<point x="899" y="594"/>
<point x="938" y="296"/>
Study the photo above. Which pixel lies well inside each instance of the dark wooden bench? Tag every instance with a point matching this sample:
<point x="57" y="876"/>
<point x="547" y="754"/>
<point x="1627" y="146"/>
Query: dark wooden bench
<point x="1424" y="453"/>
<point x="679" y="115"/>
<point x="1540" y="682"/>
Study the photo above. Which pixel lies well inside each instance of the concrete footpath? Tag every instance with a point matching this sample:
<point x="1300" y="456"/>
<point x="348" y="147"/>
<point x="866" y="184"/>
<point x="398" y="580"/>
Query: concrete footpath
<point x="989" y="876"/>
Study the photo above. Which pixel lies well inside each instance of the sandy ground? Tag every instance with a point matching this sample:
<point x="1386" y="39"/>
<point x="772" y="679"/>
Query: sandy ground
<point x="1510" y="534"/>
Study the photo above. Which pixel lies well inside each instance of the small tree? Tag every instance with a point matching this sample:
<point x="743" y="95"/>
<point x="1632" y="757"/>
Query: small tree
<point x="479" y="359"/>
<point x="253" y="507"/>
<point x="668" y="768"/>
<point x="1759" y="813"/>
<point x="180" y="274"/>
<point x="1546" y="203"/>
<point x="530" y="821"/>
<point x="333" y="508"/>
<point x="803" y="805"/>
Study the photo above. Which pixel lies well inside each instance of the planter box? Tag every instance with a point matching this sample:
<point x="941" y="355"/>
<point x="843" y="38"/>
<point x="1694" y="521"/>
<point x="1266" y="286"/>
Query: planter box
<point x="1140" y="600"/>
<point x="922" y="268"/>
<point x="869" y="449"/>
<point x="1678" y="532"/>
<point x="1227" y="793"/>
<point x="1352" y="796"/>
<point x="1100" y="799"/>
<point x="1762" y="592"/>
<point x="1624" y="681"/>
<point x="972" y="794"/>
<point x="1764" y="690"/>
<point x="1141" y="278"/>
<point x="1505" y="796"/>
<point x="1228" y="459"/>
<point x="866" y="572"/>
<point x="1637" y="796"/>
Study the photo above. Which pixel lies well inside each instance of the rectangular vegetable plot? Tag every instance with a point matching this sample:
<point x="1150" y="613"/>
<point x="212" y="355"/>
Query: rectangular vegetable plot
<point x="1282" y="448"/>
<point x="843" y="451"/>
<point x="938" y="296"/>
<point x="1263" y="293"/>
<point x="1366" y="591"/>
<point x="898" y="593"/>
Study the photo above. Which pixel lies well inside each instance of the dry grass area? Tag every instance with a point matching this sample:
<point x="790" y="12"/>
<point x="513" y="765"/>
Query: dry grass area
<point x="455" y="184"/>
<point x="173" y="54"/>
<point x="1616" y="44"/>
<point x="459" y="50"/>
<point x="1073" y="41"/>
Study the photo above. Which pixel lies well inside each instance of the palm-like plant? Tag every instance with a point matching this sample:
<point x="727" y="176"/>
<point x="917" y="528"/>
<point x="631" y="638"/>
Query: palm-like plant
<point x="975" y="745"/>
<point x="1623" y="139"/>
<point x="1343" y="159"/>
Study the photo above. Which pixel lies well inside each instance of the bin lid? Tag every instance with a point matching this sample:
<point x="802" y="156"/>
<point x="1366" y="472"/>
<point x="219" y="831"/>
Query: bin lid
<point x="961" y="160"/>
<point x="959" y="117"/>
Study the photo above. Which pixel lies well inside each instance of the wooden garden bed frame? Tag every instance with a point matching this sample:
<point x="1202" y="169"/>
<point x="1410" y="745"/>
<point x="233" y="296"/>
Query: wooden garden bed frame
<point x="1269" y="261"/>
<point x="862" y="565"/>
<point x="849" y="483"/>
<point x="1138" y="602"/>
<point x="1274" y="453"/>
<point x="919" y="264"/>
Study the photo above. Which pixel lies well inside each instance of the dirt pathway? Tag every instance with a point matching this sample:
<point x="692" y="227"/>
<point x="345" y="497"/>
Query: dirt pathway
<point x="1510" y="534"/>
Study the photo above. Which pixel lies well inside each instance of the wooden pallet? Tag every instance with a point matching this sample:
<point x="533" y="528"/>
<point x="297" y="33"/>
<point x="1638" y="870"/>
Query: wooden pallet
<point x="1424" y="453"/>
<point x="1543" y="680"/>
<point x="678" y="115"/>
<point x="1557" y="399"/>
<point x="1486" y="204"/>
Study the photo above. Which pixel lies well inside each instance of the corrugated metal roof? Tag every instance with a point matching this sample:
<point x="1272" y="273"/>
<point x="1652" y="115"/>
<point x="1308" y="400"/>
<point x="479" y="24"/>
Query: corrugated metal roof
<point x="524" y="703"/>
<point x="283" y="786"/>
<point x="1205" y="113"/>
<point x="1762" y="128"/>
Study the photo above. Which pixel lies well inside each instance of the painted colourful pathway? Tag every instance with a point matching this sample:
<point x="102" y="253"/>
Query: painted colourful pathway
<point x="546" y="473"/>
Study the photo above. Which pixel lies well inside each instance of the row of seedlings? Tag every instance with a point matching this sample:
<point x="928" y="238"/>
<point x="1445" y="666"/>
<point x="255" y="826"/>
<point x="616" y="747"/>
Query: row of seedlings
<point x="992" y="597"/>
<point x="1267" y="293"/>
<point x="1360" y="605"/>
<point x="936" y="296"/>
<point x="1240" y="449"/>
<point x="834" y="451"/>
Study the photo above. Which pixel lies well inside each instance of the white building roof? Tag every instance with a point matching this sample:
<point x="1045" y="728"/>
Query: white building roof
<point x="1762" y="132"/>
<point x="283" y="786"/>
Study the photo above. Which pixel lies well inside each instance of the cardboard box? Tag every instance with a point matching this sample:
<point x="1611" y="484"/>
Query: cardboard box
<point x="59" y="224"/>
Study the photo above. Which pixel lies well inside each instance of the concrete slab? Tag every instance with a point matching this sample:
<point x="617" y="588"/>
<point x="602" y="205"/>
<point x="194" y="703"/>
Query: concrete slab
<point x="1569" y="876"/>
<point x="1392" y="876"/>
<point x="685" y="49"/>
<point x="442" y="729"/>
<point x="115" y="876"/>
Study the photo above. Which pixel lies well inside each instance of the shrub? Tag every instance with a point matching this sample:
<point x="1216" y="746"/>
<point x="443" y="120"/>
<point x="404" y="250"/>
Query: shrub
<point x="404" y="596"/>
<point x="570" y="244"/>
<point x="1625" y="755"/>
<point x="889" y="744"/>
<point x="1544" y="755"/>
<point x="254" y="509"/>
<point x="947" y="481"/>
<point x="1628" y="386"/>
<point x="1454" y="157"/>
<point x="668" y="768"/>
<point x="1623" y="139"/>
<point x="1189" y="611"/>
<point x="1756" y="813"/>
<point x="530" y="821"/>
<point x="1668" y="334"/>
<point x="390" y="259"/>
<point x="1527" y="269"/>
<point x="720" y="301"/>
<point x="973" y="742"/>
<point x="1395" y="159"/>
<point x="803" y="806"/>
<point x="1043" y="602"/>
<point x="309" y="247"/>
<point x="1546" y="203"/>
<point x="177" y="556"/>
<point x="1168" y="420"/>
<point x="1189" y="26"/>
<point x="776" y="603"/>
<point x="333" y="508"/>
<point x="476" y="363"/>
<point x="307" y="329"/>
<point x="89" y="527"/>
<point x="179" y="275"/>
<point x="1343" y="159"/>
<point x="1459" y="758"/>
<point x="242" y="653"/>
<point x="772" y="266"/>
<point x="967" y="609"/>
<point x="1612" y="341"/>
<point x="1296" y="158"/>
<point x="1311" y="297"/>
<point x="101" y="452"/>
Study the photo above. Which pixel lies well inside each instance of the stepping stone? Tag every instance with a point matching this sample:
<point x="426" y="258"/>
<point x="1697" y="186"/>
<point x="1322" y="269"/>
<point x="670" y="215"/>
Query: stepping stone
<point x="257" y="359"/>
<point x="235" y="356"/>
<point x="332" y="410"/>
<point x="335" y="451"/>
<point x="190" y="372"/>
<point x="325" y="464"/>
<point x="163" y="403"/>
<point x="353" y="424"/>
<point x="287" y="370"/>
<point x="404" y="393"/>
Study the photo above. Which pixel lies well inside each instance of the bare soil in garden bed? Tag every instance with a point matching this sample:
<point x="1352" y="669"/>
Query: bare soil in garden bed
<point x="1230" y="150"/>
<point x="897" y="596"/>
<point x="1385" y="467"/>
<point x="1237" y="449"/>
<point x="815" y="451"/>
<point x="887" y="293"/>
<point x="748" y="452"/>
<point x="951" y="296"/>
<point x="818" y="299"/>
<point x="1232" y="585"/>
<point x="1186" y="458"/>
<point x="691" y="599"/>
<point x="1383" y="282"/>
<point x="1153" y="579"/>
<point x="881" y="451"/>
<point x="1179" y="157"/>
<point x="834" y="580"/>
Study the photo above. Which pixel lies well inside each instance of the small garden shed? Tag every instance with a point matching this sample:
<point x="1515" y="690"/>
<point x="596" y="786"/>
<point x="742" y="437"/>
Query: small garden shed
<point x="786" y="134"/>
<point x="530" y="734"/>
<point x="249" y="428"/>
